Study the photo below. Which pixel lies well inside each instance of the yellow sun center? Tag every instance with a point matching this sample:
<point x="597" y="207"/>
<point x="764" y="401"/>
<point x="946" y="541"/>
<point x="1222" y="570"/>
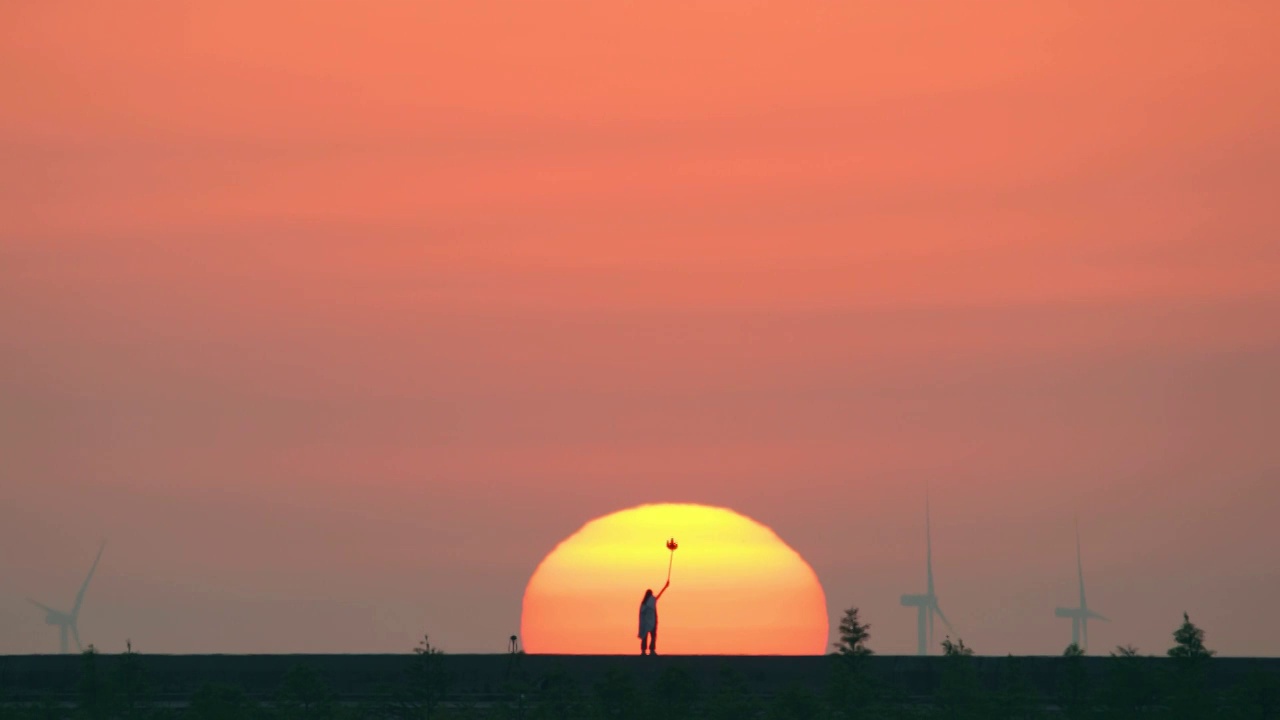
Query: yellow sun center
<point x="736" y="587"/>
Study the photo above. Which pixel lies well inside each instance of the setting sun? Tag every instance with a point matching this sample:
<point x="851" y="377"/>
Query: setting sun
<point x="736" y="587"/>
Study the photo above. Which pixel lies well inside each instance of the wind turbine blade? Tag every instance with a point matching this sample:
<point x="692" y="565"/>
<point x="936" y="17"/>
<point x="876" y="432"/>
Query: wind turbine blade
<point x="1097" y="616"/>
<point x="931" y="633"/>
<point x="928" y="543"/>
<point x="1084" y="632"/>
<point x="1080" y="568"/>
<point x="75" y="611"/>
<point x="938" y="610"/>
<point x="75" y="633"/>
<point x="44" y="607"/>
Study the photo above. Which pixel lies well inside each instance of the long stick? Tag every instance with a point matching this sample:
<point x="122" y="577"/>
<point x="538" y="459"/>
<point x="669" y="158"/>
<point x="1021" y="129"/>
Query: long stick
<point x="673" y="557"/>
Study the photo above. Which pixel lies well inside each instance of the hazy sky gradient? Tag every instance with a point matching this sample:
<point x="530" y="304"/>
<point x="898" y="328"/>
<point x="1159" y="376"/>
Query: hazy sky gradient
<point x="334" y="317"/>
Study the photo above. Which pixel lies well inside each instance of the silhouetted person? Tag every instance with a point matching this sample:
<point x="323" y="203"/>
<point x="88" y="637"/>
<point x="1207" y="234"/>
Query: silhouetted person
<point x="649" y="621"/>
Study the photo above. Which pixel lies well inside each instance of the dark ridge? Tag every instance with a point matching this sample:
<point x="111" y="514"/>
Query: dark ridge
<point x="25" y="677"/>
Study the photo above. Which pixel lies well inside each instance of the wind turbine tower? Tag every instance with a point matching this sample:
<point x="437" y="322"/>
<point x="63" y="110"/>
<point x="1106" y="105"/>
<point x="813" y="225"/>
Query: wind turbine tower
<point x="1080" y="616"/>
<point x="66" y="621"/>
<point x="926" y="605"/>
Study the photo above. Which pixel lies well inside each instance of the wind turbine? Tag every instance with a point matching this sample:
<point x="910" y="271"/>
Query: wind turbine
<point x="926" y="605"/>
<point x="1079" y="615"/>
<point x="66" y="622"/>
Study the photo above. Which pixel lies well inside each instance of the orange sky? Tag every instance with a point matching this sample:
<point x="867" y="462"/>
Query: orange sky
<point x="336" y="315"/>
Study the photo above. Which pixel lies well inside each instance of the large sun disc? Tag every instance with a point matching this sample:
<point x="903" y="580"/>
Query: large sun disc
<point x="736" y="587"/>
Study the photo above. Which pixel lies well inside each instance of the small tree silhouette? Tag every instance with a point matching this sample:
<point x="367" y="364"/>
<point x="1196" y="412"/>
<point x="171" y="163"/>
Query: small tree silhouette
<point x="850" y="689"/>
<point x="94" y="691"/>
<point x="1190" y="641"/>
<point x="1131" y="689"/>
<point x="960" y="693"/>
<point x="854" y="635"/>
<point x="1190" y="693"/>
<point x="132" y="682"/>
<point x="955" y="649"/>
<point x="426" y="648"/>
<point x="1073" y="687"/>
<point x="428" y="680"/>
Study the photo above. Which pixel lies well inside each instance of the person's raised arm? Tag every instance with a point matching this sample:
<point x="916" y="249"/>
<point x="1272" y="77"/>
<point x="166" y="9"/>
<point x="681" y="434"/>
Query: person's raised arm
<point x="664" y="589"/>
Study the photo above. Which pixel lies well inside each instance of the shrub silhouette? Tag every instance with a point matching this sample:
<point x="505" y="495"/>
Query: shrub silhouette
<point x="960" y="694"/>
<point x="131" y="682"/>
<point x="428" y="680"/>
<point x="955" y="649"/>
<point x="93" y="690"/>
<point x="1074" y="691"/>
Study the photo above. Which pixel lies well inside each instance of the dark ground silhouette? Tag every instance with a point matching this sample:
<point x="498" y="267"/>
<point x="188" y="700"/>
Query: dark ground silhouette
<point x="429" y="684"/>
<point x="1187" y="681"/>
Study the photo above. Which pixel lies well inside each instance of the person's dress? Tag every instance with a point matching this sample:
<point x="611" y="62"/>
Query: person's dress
<point x="648" y="616"/>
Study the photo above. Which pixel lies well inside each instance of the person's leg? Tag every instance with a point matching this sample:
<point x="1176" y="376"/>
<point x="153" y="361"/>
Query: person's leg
<point x="653" y="641"/>
<point x="644" y="644"/>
